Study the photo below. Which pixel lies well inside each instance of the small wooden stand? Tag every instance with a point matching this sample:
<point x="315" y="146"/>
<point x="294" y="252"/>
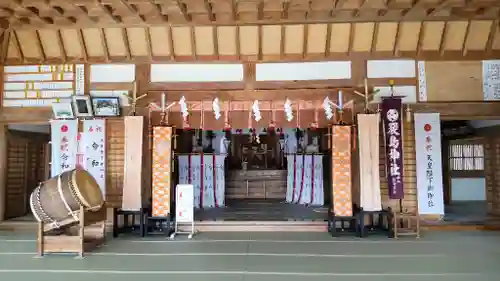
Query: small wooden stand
<point x="88" y="234"/>
<point x="384" y="223"/>
<point x="129" y="221"/>
<point x="406" y="224"/>
<point x="348" y="225"/>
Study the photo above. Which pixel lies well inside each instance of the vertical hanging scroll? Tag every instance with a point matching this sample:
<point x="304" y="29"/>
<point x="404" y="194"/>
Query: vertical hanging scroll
<point x="94" y="145"/>
<point x="391" y="112"/>
<point x="341" y="171"/>
<point x="64" y="135"/>
<point x="162" y="158"/>
<point x="369" y="171"/>
<point x="132" y="181"/>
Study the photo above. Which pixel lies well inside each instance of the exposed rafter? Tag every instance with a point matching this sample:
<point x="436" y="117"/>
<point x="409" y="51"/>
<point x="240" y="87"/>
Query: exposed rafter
<point x="430" y="40"/>
<point x="46" y="13"/>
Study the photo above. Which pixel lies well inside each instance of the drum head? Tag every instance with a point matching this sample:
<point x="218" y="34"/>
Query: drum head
<point x="87" y="188"/>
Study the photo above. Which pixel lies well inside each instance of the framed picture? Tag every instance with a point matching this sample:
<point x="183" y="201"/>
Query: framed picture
<point x="106" y="106"/>
<point x="62" y="110"/>
<point x="82" y="106"/>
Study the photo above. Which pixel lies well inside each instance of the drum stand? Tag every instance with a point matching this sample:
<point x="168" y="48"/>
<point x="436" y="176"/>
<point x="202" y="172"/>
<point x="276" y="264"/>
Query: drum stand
<point x="90" y="234"/>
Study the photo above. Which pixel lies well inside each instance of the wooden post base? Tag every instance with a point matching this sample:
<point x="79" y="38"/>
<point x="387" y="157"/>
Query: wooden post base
<point x="88" y="234"/>
<point x="348" y="225"/>
<point x="406" y="224"/>
<point x="382" y="225"/>
<point x="126" y="226"/>
<point x="159" y="225"/>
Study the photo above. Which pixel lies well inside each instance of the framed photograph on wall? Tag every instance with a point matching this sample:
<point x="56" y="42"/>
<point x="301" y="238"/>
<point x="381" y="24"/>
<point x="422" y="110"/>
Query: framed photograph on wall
<point x="62" y="110"/>
<point x="82" y="106"/>
<point x="106" y="106"/>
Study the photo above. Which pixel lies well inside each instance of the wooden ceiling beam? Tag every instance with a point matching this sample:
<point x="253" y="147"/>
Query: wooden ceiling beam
<point x="39" y="45"/>
<point x="491" y="37"/>
<point x="104" y="13"/>
<point x="104" y="44"/>
<point x="60" y="42"/>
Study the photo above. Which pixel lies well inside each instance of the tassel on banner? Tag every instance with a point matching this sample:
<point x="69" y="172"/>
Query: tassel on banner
<point x="227" y="126"/>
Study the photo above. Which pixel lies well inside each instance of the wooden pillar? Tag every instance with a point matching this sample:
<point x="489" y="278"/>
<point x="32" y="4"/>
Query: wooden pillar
<point x="3" y="169"/>
<point x="445" y="154"/>
<point x="410" y="202"/>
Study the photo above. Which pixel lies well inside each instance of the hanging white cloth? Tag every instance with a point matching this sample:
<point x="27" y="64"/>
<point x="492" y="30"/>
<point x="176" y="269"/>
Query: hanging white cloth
<point x="305" y="179"/>
<point x="369" y="147"/>
<point x="318" y="195"/>
<point x="191" y="170"/>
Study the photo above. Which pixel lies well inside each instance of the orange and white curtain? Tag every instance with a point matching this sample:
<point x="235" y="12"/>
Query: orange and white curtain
<point x="162" y="160"/>
<point x="132" y="176"/>
<point x="206" y="173"/>
<point x="341" y="171"/>
<point x="369" y="171"/>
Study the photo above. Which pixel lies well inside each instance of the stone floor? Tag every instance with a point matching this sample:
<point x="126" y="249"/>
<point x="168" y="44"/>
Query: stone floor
<point x="443" y="256"/>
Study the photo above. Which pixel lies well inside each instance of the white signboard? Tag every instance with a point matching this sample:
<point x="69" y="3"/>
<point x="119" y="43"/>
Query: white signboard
<point x="491" y="80"/>
<point x="429" y="166"/>
<point x="184" y="203"/>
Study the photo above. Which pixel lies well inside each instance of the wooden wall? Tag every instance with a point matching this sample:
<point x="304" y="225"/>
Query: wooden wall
<point x="26" y="154"/>
<point x="491" y="140"/>
<point x="445" y="81"/>
<point x="454" y="81"/>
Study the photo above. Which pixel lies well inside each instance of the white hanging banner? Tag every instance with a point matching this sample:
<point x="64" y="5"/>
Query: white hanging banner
<point x="428" y="156"/>
<point x="369" y="161"/>
<point x="94" y="143"/>
<point x="208" y="183"/>
<point x="64" y="139"/>
<point x="305" y="179"/>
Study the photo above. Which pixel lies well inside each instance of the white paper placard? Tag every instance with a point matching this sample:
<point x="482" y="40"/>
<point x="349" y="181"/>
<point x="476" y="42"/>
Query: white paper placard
<point x="94" y="143"/>
<point x="64" y="134"/>
<point x="184" y="203"/>
<point x="422" y="82"/>
<point x="428" y="156"/>
<point x="491" y="80"/>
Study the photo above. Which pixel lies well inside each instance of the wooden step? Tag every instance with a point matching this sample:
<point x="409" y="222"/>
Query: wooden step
<point x="275" y="189"/>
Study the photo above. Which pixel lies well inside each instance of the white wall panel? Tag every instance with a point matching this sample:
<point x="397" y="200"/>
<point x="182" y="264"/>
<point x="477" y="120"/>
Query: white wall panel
<point x="196" y="72"/>
<point x="303" y="71"/>
<point x="112" y="73"/>
<point x="390" y="69"/>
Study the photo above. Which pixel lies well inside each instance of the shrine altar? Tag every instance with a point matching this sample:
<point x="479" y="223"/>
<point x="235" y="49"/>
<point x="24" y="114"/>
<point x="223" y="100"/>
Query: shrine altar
<point x="305" y="179"/>
<point x="206" y="173"/>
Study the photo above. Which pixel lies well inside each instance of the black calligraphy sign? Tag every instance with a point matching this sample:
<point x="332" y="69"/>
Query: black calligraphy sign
<point x="391" y="113"/>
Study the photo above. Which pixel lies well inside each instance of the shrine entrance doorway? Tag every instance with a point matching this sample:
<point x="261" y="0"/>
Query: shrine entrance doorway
<point x="261" y="171"/>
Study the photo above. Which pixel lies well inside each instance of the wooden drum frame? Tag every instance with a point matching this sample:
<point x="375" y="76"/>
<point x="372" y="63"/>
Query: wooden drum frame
<point x="58" y="201"/>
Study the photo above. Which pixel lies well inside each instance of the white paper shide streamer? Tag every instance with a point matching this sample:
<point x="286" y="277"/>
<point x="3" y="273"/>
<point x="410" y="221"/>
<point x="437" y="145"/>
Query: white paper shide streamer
<point x="256" y="111"/>
<point x="184" y="109"/>
<point x="327" y="106"/>
<point x="288" y="110"/>
<point x="216" y="108"/>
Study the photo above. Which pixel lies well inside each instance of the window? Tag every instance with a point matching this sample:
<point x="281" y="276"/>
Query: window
<point x="466" y="157"/>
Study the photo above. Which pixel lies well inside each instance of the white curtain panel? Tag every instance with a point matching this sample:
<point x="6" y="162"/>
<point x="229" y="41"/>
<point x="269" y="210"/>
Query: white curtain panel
<point x="369" y="150"/>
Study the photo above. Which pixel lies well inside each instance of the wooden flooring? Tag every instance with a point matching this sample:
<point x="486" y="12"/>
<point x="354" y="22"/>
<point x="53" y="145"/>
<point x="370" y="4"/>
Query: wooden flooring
<point x="443" y="256"/>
